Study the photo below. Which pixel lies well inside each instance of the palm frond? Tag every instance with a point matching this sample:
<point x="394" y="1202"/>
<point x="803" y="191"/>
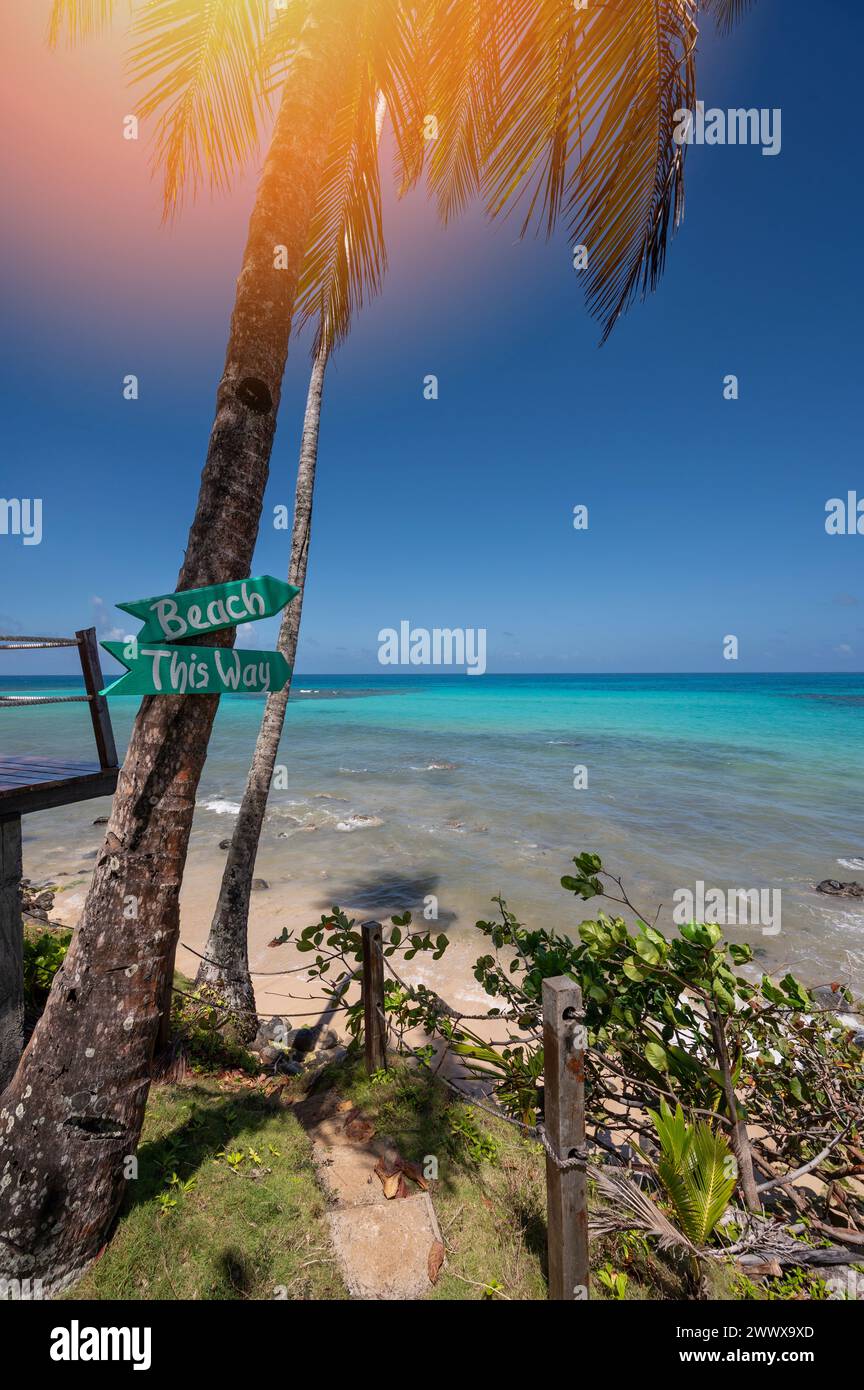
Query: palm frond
<point x="400" y="62"/>
<point x="540" y="117"/>
<point x="695" y="1170"/>
<point x="203" y="63"/>
<point x="587" y="116"/>
<point x="466" y="38"/>
<point x="346" y="257"/>
<point x="627" y="194"/>
<point x="631" y="1208"/>
<point x="79" y="19"/>
<point x="727" y="13"/>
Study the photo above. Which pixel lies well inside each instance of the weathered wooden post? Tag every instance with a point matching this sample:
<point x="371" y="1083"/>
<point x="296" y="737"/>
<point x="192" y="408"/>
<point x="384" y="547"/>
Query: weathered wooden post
<point x="11" y="949"/>
<point x="564" y="1122"/>
<point x="373" y="997"/>
<point x="88" y="653"/>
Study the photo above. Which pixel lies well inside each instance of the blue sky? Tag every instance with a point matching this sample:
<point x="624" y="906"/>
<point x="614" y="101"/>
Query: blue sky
<point x="706" y="516"/>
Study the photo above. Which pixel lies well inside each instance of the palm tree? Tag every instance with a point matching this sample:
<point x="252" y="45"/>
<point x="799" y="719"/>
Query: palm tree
<point x="481" y="57"/>
<point x="329" y="289"/>
<point x="73" y="1111"/>
<point x="572" y="109"/>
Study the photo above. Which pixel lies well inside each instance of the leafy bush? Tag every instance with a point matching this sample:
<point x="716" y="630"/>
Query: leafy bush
<point x="44" y="953"/>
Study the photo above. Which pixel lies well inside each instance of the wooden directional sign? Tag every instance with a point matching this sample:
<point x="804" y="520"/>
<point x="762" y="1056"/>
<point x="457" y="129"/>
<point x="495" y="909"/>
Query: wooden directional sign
<point x="162" y="669"/>
<point x="169" y="617"/>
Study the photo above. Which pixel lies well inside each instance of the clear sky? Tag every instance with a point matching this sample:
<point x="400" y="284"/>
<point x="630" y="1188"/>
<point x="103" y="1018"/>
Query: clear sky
<point x="706" y="516"/>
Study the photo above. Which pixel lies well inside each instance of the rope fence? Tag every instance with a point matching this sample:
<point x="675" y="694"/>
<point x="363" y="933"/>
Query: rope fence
<point x="44" y="699"/>
<point x="12" y="644"/>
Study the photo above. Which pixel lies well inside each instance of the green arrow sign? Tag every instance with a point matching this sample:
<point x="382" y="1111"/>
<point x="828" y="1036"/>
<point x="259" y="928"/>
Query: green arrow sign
<point x="192" y="612"/>
<point x="160" y="669"/>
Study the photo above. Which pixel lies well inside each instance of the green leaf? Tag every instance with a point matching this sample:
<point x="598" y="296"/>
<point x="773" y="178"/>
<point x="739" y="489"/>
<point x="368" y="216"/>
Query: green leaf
<point x="656" y="1056"/>
<point x="647" y="950"/>
<point x="634" y="971"/>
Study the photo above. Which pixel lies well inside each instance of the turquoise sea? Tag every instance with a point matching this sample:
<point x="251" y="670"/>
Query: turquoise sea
<point x="395" y="788"/>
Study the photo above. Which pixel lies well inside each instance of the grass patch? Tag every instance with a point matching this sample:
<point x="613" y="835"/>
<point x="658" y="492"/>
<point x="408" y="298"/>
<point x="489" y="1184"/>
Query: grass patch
<point x="226" y="1204"/>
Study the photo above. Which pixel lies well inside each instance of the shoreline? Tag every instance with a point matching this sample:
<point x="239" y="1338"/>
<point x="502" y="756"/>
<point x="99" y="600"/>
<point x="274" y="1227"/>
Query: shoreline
<point x="279" y="982"/>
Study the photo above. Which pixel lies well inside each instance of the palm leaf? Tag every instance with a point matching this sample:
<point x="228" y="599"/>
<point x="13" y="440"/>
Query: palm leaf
<point x="727" y="12"/>
<point x="627" y="194"/>
<point x="79" y="19"/>
<point x="586" y="123"/>
<point x="466" y="38"/>
<point x="346" y="257"/>
<point x="695" y="1171"/>
<point x="203" y="63"/>
<point x="633" y="1208"/>
<point x="400" y="61"/>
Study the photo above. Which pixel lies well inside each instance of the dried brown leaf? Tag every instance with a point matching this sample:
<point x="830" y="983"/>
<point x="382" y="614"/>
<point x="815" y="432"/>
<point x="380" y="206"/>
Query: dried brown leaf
<point x="435" y="1261"/>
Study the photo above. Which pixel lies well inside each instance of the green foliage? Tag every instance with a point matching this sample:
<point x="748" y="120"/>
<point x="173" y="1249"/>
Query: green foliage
<point x="697" y="1170"/>
<point x="338" y="948"/>
<point x="673" y="1017"/>
<point x="669" y="1019"/>
<point x="467" y="1138"/>
<point x="614" y="1280"/>
<point x="44" y="953"/>
<point x="203" y="1023"/>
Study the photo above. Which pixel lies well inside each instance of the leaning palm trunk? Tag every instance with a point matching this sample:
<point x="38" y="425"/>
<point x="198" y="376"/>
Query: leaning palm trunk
<point x="225" y="967"/>
<point x="71" y="1117"/>
<point x="226" y="963"/>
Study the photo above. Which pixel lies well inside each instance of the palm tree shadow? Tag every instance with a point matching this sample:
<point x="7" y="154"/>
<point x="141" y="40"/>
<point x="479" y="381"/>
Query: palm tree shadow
<point x="383" y="894"/>
<point x="210" y="1127"/>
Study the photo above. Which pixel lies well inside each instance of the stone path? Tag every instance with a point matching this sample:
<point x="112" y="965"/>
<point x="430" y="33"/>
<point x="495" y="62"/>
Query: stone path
<point x="387" y="1248"/>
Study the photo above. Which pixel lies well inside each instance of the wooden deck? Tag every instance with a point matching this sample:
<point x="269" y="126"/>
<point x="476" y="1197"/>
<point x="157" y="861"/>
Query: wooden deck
<point x="35" y="784"/>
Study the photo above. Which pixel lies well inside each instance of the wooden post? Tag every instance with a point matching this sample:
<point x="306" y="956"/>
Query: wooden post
<point x="373" y="997"/>
<point x="564" y="1119"/>
<point x="88" y="651"/>
<point x="11" y="949"/>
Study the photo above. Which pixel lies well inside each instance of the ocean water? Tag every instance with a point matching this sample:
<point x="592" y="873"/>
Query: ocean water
<point x="399" y="791"/>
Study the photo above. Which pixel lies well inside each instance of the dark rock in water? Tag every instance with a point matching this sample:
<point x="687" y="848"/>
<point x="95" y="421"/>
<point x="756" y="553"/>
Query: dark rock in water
<point x="91" y="854"/>
<point x="829" y="997"/>
<point x="101" y="820"/>
<point x="840" y="890"/>
<point x="259" y="884"/>
<point x="224" y="844"/>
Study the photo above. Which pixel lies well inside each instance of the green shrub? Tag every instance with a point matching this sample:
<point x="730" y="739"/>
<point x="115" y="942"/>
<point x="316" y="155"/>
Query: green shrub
<point x="44" y="953"/>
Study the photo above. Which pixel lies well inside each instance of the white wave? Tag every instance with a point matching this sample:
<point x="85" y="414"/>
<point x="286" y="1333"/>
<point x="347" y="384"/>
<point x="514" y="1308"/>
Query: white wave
<point x="220" y="807"/>
<point x="358" y="823"/>
<point x="854" y="864"/>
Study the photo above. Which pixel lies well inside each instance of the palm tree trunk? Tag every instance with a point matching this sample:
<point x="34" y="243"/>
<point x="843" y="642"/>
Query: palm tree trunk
<point x="71" y="1117"/>
<point x="226" y="966"/>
